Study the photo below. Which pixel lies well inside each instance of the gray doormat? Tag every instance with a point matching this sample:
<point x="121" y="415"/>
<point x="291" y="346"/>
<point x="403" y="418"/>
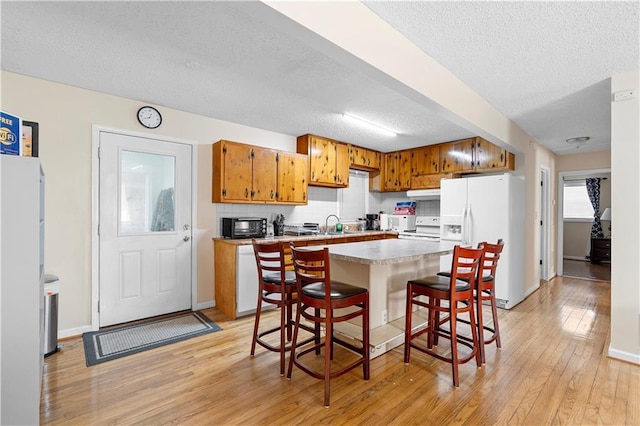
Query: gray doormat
<point x="102" y="346"/>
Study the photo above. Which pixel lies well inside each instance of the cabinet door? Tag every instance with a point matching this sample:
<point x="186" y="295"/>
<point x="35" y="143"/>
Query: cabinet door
<point x="457" y="156"/>
<point x="390" y="175"/>
<point x="264" y="177"/>
<point x="236" y="172"/>
<point x="342" y="164"/>
<point x="425" y="160"/>
<point x="373" y="159"/>
<point x="322" y="155"/>
<point x="488" y="156"/>
<point x="358" y="156"/>
<point x="403" y="170"/>
<point x="292" y="178"/>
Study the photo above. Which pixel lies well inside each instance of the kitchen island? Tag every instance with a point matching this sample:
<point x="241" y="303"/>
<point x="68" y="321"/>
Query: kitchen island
<point x="384" y="267"/>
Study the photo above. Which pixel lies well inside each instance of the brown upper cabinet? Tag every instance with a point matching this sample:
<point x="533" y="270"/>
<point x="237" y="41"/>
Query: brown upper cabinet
<point x="328" y="161"/>
<point x="474" y="155"/>
<point x="396" y="171"/>
<point x="364" y="159"/>
<point x="425" y="160"/>
<point x="249" y="174"/>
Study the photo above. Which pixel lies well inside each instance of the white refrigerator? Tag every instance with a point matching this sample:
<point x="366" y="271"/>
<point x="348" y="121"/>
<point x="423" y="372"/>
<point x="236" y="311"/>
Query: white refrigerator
<point x="487" y="208"/>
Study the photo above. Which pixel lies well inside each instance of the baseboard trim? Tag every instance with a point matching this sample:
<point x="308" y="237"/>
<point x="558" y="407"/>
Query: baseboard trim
<point x="584" y="259"/>
<point x="623" y="356"/>
<point x="206" y="305"/>
<point x="531" y="290"/>
<point x="73" y="332"/>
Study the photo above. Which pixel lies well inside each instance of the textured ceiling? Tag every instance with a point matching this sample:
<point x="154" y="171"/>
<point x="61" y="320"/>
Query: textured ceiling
<point x="546" y="65"/>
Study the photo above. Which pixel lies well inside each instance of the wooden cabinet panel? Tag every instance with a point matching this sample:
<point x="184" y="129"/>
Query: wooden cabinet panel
<point x="342" y="164"/>
<point x="264" y="180"/>
<point x="292" y="178"/>
<point x="457" y="156"/>
<point x="328" y="161"/>
<point x="232" y="172"/>
<point x="249" y="174"/>
<point x="425" y="160"/>
<point x="491" y="157"/>
<point x="364" y="159"/>
<point x="404" y="170"/>
<point x="396" y="171"/>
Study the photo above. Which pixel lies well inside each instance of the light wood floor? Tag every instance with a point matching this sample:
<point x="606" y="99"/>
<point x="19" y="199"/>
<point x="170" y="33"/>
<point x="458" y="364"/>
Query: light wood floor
<point x="552" y="368"/>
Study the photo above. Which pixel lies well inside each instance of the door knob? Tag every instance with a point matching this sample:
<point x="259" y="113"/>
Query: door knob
<point x="186" y="238"/>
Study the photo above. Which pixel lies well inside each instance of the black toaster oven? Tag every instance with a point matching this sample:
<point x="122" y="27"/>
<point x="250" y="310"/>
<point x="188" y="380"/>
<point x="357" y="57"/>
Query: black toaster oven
<point x="244" y="227"/>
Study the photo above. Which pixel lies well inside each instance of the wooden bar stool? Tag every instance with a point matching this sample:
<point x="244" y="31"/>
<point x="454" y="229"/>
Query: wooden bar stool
<point x="277" y="286"/>
<point x="457" y="290"/>
<point x="485" y="291"/>
<point x="318" y="293"/>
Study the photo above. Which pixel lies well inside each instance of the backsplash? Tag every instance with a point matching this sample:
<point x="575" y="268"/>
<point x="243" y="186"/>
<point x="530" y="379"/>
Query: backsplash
<point x="322" y="203"/>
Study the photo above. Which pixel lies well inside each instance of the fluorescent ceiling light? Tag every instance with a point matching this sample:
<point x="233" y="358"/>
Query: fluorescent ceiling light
<point x="369" y="124"/>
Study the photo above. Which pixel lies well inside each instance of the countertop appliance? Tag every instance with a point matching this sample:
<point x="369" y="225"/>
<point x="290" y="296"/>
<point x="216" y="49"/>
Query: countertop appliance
<point x="304" y="229"/>
<point x="244" y="227"/>
<point x="383" y="222"/>
<point x="487" y="208"/>
<point x="373" y="223"/>
<point x="402" y="223"/>
<point x="427" y="229"/>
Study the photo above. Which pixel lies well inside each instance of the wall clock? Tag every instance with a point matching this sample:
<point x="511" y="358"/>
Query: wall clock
<point x="149" y="117"/>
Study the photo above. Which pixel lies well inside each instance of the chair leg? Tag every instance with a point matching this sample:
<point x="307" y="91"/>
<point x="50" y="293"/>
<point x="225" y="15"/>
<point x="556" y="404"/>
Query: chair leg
<point x="289" y="307"/>
<point x="480" y="327"/>
<point x="476" y="328"/>
<point x="433" y="323"/>
<point x="283" y="326"/>
<point x="407" y="324"/>
<point x="494" y="312"/>
<point x="294" y="341"/>
<point x="365" y="340"/>
<point x="454" y="344"/>
<point x="256" y="323"/>
<point x="328" y="351"/>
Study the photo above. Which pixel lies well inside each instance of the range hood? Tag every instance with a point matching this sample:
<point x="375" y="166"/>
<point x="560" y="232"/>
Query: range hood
<point x="424" y="194"/>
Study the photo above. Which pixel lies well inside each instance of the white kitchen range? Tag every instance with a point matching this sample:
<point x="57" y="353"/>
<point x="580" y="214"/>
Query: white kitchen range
<point x="426" y="228"/>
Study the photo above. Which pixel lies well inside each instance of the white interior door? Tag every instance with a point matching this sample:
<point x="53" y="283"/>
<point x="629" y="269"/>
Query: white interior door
<point x="144" y="228"/>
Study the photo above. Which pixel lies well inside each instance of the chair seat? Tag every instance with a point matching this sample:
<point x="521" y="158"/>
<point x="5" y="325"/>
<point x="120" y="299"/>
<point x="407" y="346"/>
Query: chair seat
<point x="274" y="278"/>
<point x="438" y="282"/>
<point x="486" y="278"/>
<point x="338" y="290"/>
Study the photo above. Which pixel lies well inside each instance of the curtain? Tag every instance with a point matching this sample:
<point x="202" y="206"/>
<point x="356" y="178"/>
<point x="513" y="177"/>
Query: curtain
<point x="163" y="214"/>
<point x="593" y="190"/>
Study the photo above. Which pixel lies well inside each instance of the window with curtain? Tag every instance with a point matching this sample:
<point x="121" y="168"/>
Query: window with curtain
<point x="577" y="206"/>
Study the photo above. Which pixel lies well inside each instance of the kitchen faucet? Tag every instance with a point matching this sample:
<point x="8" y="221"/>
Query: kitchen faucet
<point x="326" y="222"/>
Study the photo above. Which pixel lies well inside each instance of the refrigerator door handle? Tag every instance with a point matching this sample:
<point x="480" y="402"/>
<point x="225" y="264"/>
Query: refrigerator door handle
<point x="465" y="212"/>
<point x="469" y="225"/>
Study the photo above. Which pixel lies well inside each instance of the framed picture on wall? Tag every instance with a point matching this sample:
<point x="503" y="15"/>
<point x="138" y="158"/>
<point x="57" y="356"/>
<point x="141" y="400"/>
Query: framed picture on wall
<point x="29" y="138"/>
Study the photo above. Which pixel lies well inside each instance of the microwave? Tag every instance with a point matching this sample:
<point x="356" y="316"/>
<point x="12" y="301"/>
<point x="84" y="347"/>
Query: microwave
<point x="402" y="223"/>
<point x="244" y="227"/>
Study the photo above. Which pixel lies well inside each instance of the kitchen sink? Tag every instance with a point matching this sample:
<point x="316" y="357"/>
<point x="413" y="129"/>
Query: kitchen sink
<point x="344" y="233"/>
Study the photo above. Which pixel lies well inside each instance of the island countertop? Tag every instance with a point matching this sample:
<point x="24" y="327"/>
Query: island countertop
<point x="385" y="252"/>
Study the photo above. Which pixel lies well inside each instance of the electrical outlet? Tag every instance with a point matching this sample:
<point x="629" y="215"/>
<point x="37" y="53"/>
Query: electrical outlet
<point x="384" y="317"/>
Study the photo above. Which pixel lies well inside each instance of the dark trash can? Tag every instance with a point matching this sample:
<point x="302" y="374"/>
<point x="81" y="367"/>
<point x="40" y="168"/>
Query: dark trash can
<point x="51" y="295"/>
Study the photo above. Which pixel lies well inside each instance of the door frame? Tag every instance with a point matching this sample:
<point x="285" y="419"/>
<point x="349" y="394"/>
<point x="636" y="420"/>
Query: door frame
<point x="95" y="212"/>
<point x="545" y="193"/>
<point x="560" y="206"/>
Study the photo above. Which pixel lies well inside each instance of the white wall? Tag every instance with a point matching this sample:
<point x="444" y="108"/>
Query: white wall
<point x="625" y="209"/>
<point x="66" y="116"/>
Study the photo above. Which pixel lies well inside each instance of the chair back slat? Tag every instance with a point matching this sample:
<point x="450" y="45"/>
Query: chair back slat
<point x="312" y="266"/>
<point x="465" y="266"/>
<point x="269" y="257"/>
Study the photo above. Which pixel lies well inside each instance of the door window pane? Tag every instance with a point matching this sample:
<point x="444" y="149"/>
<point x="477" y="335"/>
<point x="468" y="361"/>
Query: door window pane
<point x="147" y="183"/>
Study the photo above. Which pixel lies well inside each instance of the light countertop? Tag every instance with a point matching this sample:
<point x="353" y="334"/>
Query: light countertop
<point x="383" y="252"/>
<point x="315" y="237"/>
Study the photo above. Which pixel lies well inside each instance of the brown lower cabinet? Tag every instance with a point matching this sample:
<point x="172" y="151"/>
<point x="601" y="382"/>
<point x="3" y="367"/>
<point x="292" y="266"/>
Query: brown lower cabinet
<point x="235" y="272"/>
